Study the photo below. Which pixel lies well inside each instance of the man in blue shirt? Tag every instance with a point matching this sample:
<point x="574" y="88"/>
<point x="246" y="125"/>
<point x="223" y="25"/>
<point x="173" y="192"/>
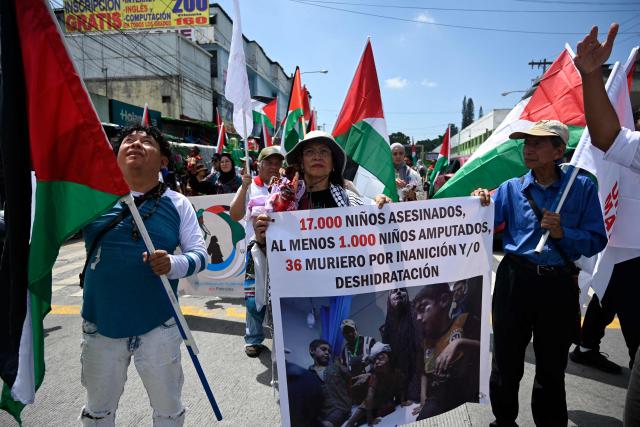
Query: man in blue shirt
<point x="535" y="294"/>
<point x="126" y="312"/>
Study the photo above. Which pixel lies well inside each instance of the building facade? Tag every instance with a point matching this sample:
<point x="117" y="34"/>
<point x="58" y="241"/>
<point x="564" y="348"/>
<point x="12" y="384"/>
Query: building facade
<point x="165" y="70"/>
<point x="470" y="138"/>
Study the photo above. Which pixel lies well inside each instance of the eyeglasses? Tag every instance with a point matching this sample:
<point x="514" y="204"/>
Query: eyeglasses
<point x="310" y="152"/>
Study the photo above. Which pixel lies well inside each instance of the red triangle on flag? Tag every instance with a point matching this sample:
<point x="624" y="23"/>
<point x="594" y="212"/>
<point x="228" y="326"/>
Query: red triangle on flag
<point x="363" y="99"/>
<point x="559" y="95"/>
<point x="64" y="129"/>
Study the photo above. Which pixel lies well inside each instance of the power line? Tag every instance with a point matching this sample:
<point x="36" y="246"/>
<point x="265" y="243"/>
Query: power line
<point x="592" y="3"/>
<point x="453" y="9"/>
<point x="439" y="24"/>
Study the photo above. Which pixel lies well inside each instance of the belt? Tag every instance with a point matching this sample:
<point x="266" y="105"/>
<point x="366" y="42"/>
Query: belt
<point x="537" y="269"/>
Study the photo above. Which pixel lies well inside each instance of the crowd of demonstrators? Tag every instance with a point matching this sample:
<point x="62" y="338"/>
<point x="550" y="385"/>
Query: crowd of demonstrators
<point x="525" y="279"/>
<point x="130" y="316"/>
<point x="621" y="146"/>
<point x="428" y="349"/>
<point x="406" y="178"/>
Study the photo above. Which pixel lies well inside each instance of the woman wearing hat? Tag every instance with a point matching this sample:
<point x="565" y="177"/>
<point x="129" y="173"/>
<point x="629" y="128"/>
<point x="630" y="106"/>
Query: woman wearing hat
<point x="321" y="162"/>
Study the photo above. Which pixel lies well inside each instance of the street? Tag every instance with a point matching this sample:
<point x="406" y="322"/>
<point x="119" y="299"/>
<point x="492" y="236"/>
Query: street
<point x="242" y="385"/>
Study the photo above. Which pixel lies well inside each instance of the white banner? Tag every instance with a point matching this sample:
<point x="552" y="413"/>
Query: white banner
<point x="381" y="309"/>
<point x="226" y="247"/>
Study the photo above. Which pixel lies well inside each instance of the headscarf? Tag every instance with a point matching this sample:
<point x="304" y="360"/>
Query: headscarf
<point x="225" y="177"/>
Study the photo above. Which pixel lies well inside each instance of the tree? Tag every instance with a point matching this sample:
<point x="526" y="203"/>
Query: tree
<point x="465" y="115"/>
<point x="400" y="138"/>
<point x="454" y="129"/>
<point x="468" y="112"/>
<point x="471" y="111"/>
<point x="480" y="112"/>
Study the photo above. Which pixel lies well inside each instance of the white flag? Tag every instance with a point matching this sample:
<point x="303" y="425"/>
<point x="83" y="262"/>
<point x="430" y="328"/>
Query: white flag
<point x="237" y="88"/>
<point x="618" y="190"/>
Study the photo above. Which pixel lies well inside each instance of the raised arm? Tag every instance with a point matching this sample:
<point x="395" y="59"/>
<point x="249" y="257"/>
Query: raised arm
<point x="601" y="117"/>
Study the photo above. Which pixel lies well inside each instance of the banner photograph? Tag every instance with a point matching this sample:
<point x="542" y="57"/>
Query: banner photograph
<point x="106" y="15"/>
<point x="224" y="239"/>
<point x="381" y="315"/>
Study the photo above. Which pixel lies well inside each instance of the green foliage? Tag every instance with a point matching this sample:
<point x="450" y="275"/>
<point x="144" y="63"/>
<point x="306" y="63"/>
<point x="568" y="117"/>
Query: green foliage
<point x="400" y="138"/>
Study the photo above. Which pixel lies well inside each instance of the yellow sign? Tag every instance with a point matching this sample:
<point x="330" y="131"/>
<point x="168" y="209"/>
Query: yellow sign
<point x="106" y="15"/>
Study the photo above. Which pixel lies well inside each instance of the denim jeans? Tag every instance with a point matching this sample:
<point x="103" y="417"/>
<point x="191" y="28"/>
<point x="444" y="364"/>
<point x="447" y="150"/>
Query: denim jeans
<point x="254" y="335"/>
<point x="156" y="355"/>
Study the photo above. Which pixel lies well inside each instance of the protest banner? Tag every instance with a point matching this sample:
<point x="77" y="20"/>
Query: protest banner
<point x="226" y="246"/>
<point x="108" y="15"/>
<point x="415" y="276"/>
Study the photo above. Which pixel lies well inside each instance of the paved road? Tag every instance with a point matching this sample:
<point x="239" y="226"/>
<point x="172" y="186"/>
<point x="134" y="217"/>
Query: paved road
<point x="242" y="385"/>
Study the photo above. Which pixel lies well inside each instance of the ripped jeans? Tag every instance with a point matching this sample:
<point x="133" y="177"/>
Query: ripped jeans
<point x="156" y="355"/>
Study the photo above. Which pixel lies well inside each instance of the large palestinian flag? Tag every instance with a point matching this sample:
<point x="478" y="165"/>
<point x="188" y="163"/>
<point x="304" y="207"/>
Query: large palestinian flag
<point x="294" y="126"/>
<point x="558" y="97"/>
<point x="362" y="131"/>
<point x="50" y="130"/>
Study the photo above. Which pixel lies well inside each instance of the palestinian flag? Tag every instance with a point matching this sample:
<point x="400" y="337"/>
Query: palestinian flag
<point x="442" y="162"/>
<point x="222" y="136"/>
<point x="264" y="115"/>
<point x="50" y="130"/>
<point x="362" y="131"/>
<point x="313" y="121"/>
<point x="259" y="113"/>
<point x="558" y="97"/>
<point x="306" y="104"/>
<point x="294" y="127"/>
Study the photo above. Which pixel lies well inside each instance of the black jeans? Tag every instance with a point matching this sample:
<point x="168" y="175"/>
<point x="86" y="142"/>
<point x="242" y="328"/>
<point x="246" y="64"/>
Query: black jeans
<point x="621" y="298"/>
<point x="525" y="304"/>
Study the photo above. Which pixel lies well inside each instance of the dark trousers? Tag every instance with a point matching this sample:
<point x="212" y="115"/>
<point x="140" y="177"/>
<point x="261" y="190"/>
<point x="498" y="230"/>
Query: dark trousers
<point x="525" y="304"/>
<point x="621" y="298"/>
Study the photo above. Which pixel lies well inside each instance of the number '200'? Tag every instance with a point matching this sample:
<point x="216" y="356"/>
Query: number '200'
<point x="190" y="5"/>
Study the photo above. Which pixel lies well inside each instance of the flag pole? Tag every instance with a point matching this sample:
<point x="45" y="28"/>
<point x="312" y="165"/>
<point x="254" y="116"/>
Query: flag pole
<point x="185" y="332"/>
<point x="574" y="173"/>
<point x="246" y="144"/>
<point x="545" y="236"/>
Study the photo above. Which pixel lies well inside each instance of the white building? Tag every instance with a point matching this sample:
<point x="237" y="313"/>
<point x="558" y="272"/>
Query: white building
<point x="467" y="140"/>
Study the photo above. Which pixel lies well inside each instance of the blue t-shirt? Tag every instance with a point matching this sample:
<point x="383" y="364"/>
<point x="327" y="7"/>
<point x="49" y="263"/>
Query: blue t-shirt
<point x="122" y="295"/>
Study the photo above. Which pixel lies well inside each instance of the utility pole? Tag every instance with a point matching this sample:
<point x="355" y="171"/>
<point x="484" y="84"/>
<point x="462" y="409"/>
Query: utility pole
<point x="106" y="82"/>
<point x="540" y="64"/>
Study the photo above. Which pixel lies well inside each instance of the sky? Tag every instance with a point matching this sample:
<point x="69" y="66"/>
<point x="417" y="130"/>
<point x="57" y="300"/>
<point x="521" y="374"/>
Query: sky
<point x="425" y="67"/>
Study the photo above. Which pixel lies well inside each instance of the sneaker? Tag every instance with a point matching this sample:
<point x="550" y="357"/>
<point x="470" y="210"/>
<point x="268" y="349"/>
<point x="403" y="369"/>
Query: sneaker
<point x="595" y="359"/>
<point x="253" y="350"/>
